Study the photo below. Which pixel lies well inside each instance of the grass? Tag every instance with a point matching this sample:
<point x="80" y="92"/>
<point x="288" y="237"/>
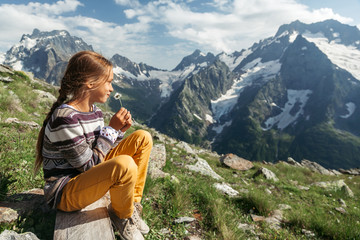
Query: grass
<point x="191" y="195"/>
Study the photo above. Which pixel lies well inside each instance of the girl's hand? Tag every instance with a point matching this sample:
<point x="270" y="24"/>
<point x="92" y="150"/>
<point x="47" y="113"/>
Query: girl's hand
<point x="128" y="123"/>
<point x="121" y="120"/>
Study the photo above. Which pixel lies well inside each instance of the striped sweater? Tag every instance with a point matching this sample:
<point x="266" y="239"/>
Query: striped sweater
<point x="73" y="143"/>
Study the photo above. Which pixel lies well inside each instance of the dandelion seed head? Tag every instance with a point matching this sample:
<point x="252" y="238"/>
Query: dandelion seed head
<point x="117" y="96"/>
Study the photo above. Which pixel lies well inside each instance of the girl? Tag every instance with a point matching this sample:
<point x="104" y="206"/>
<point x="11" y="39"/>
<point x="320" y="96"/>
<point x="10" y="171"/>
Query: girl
<point x="82" y="159"/>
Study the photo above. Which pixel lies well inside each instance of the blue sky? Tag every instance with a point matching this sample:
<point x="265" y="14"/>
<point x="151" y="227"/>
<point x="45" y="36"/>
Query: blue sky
<point x="160" y="33"/>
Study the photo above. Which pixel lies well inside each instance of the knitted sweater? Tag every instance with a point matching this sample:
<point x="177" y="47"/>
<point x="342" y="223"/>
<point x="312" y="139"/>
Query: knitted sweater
<point x="73" y="143"/>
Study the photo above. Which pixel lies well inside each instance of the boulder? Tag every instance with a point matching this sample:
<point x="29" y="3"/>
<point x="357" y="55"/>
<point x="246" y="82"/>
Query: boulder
<point x="12" y="235"/>
<point x="315" y="167"/>
<point x="203" y="168"/>
<point x="226" y="189"/>
<point x="235" y="162"/>
<point x="267" y="174"/>
<point x="157" y="161"/>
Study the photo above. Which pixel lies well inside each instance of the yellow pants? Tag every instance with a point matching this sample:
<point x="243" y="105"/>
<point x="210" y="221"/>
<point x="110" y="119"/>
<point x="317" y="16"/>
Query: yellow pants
<point x="123" y="172"/>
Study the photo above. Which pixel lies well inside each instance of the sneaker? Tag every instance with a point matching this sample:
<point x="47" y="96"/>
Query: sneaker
<point x="126" y="227"/>
<point x="140" y="223"/>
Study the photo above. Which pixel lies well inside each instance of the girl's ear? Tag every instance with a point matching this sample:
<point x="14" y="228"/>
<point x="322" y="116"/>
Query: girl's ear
<point x="90" y="85"/>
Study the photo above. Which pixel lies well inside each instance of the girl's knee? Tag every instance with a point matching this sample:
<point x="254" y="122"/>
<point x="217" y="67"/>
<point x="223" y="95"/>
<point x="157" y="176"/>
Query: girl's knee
<point x="144" y="134"/>
<point x="125" y="165"/>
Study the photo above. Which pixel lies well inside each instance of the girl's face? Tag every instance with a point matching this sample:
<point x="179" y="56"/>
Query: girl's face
<point x="102" y="92"/>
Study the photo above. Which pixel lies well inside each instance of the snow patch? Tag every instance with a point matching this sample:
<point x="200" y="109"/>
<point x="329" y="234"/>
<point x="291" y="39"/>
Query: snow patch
<point x="219" y="129"/>
<point x="350" y="107"/>
<point x="209" y="118"/>
<point x="231" y="61"/>
<point x="253" y="70"/>
<point x="293" y="36"/>
<point x="195" y="115"/>
<point x="346" y="57"/>
<point x="285" y="118"/>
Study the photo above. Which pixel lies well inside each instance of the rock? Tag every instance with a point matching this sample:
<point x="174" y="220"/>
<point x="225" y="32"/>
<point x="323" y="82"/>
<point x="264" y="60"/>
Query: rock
<point x="157" y="173"/>
<point x="246" y="227"/>
<point x="184" y="220"/>
<point x="158" y="136"/>
<point x="275" y="219"/>
<point x="267" y="174"/>
<point x="45" y="96"/>
<point x="315" y="167"/>
<point x="291" y="161"/>
<point x="8" y="215"/>
<point x="303" y="188"/>
<point x="203" y="168"/>
<point x="307" y="233"/>
<point x="12" y="235"/>
<point x="185" y="146"/>
<point x="354" y="171"/>
<point x="268" y="191"/>
<point x="340" y="210"/>
<point x="21" y="204"/>
<point x="6" y="69"/>
<point x="336" y="185"/>
<point x="235" y="162"/>
<point x="157" y="161"/>
<point x="257" y="218"/>
<point x="226" y="189"/>
<point x="192" y="237"/>
<point x="284" y="207"/>
<point x="31" y="124"/>
<point x="342" y="202"/>
<point x="6" y="79"/>
<point x="347" y="191"/>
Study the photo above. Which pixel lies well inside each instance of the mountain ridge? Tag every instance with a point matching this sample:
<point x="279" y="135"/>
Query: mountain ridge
<point x="280" y="88"/>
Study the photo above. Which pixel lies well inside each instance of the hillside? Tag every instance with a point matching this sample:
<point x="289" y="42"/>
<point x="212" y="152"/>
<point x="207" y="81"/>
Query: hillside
<point x="286" y="200"/>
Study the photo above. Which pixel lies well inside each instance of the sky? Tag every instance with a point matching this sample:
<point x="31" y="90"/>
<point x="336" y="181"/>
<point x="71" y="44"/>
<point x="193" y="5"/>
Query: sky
<point x="161" y="32"/>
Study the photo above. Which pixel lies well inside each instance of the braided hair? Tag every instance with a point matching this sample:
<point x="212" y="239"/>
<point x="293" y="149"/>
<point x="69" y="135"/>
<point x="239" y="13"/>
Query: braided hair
<point x="85" y="67"/>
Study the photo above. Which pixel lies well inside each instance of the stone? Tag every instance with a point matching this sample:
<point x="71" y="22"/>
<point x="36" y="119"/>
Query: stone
<point x="284" y="207"/>
<point x="291" y="161"/>
<point x="30" y="124"/>
<point x="267" y="174"/>
<point x="185" y="220"/>
<point x="342" y="202"/>
<point x="257" y="218"/>
<point x="12" y="235"/>
<point x="348" y="192"/>
<point x="226" y="189"/>
<point x="246" y="227"/>
<point x="6" y="69"/>
<point x="6" y="79"/>
<point x="340" y="210"/>
<point x="353" y="171"/>
<point x="92" y="222"/>
<point x="275" y="219"/>
<point x="336" y="185"/>
<point x="157" y="161"/>
<point x="315" y="167"/>
<point x="44" y="96"/>
<point x="307" y="233"/>
<point x="268" y="191"/>
<point x="203" y="168"/>
<point x="185" y="146"/>
<point x="235" y="162"/>
<point x="21" y="204"/>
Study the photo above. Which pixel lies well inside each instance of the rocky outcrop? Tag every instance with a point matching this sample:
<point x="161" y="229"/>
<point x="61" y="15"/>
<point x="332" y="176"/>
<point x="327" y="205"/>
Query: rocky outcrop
<point x="235" y="162"/>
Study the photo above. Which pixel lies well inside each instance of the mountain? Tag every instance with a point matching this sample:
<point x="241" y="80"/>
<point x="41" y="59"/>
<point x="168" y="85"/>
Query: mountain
<point x="294" y="94"/>
<point x="307" y="109"/>
<point x="45" y="54"/>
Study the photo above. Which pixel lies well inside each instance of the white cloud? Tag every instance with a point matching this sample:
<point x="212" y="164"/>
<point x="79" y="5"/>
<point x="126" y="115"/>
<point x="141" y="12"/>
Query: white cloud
<point x="231" y="25"/>
<point x="131" y="3"/>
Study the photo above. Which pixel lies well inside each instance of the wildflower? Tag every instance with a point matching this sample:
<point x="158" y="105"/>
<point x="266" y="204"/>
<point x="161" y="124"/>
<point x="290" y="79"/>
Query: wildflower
<point x="117" y="96"/>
